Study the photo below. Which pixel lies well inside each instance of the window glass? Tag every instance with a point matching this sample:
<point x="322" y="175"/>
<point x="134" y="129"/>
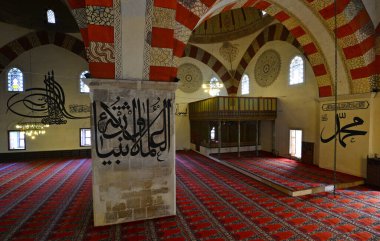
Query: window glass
<point x="245" y="85"/>
<point x="296" y="71"/>
<point x="85" y="137"/>
<point x="15" y="80"/>
<point x="16" y="140"/>
<point x="82" y="86"/>
<point x="212" y="133"/>
<point x="50" y="16"/>
<point x="215" y="86"/>
<point x="295" y="143"/>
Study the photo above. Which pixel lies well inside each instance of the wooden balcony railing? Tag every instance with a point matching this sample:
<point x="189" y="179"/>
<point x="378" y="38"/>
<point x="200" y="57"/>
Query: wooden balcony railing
<point x="234" y="108"/>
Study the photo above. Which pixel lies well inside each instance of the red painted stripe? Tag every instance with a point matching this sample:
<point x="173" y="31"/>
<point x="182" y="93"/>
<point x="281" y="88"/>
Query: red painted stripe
<point x="262" y="5"/>
<point x="186" y="17"/>
<point x="84" y="33"/>
<point x="172" y="4"/>
<point x="206" y="57"/>
<point x="329" y="12"/>
<point x="159" y="73"/>
<point x="282" y="16"/>
<point x="74" y="4"/>
<point x="102" y="70"/>
<point x="226" y="77"/>
<point x="208" y="3"/>
<point x="325" y="91"/>
<point x="179" y="48"/>
<point x="359" y="49"/>
<point x="99" y="33"/>
<point x="43" y="37"/>
<point x="378" y="30"/>
<point x="310" y="48"/>
<point x="364" y="72"/>
<point x="25" y="43"/>
<point x="218" y="65"/>
<point x="298" y="32"/>
<point x="249" y="3"/>
<point x="319" y="70"/>
<point x="377" y="64"/>
<point x="360" y="20"/>
<point x="193" y="51"/>
<point x="162" y="37"/>
<point x="8" y="52"/>
<point x="232" y="90"/>
<point x="228" y="7"/>
<point x="100" y="3"/>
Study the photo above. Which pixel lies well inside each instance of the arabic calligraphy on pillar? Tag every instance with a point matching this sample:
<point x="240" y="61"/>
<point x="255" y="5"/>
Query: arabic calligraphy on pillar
<point x="137" y="127"/>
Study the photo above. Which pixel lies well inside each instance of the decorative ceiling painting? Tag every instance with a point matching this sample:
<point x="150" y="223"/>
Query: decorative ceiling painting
<point x="267" y="68"/>
<point x="190" y="78"/>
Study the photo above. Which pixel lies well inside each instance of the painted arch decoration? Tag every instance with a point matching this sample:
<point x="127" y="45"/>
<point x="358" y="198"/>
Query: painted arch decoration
<point x="169" y="37"/>
<point x="96" y="21"/>
<point x="13" y="49"/>
<point x="208" y="59"/>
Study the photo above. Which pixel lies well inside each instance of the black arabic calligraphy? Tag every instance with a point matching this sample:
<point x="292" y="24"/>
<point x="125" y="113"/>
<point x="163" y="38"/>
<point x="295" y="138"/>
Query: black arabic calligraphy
<point x="46" y="103"/>
<point x="344" y="132"/>
<point x="133" y="123"/>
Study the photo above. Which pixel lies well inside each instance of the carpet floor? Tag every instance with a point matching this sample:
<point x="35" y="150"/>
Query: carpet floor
<point x="52" y="200"/>
<point x="292" y="175"/>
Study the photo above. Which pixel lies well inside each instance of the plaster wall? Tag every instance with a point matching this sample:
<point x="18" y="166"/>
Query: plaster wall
<point x="297" y="105"/>
<point x="35" y="64"/>
<point x="10" y="33"/>
<point x="182" y="122"/>
<point x="351" y="132"/>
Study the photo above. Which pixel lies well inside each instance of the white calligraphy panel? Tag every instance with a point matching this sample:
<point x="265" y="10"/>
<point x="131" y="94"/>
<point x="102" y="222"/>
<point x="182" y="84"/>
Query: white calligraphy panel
<point x="133" y="153"/>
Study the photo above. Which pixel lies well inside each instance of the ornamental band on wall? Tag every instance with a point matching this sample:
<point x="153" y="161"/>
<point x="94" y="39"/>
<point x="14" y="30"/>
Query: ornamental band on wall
<point x="190" y="78"/>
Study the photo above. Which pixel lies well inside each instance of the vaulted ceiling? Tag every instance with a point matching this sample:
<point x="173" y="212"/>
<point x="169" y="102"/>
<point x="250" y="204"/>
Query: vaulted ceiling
<point x="32" y="14"/>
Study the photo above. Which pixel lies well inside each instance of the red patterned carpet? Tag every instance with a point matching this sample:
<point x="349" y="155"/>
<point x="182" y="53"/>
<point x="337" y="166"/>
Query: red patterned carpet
<point x="290" y="174"/>
<point x="51" y="200"/>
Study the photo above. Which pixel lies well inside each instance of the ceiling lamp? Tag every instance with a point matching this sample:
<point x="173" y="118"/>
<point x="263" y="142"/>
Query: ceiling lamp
<point x="32" y="128"/>
<point x="213" y="87"/>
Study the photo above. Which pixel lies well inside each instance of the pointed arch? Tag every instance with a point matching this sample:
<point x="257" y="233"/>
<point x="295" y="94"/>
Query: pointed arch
<point x="211" y="61"/>
<point x="356" y="38"/>
<point x="13" y="49"/>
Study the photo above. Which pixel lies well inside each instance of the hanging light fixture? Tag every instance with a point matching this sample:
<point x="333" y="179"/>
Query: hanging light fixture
<point x="213" y="87"/>
<point x="31" y="128"/>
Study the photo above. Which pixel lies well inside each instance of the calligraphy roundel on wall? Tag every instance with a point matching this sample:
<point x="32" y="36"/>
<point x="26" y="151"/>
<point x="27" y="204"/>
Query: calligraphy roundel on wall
<point x="267" y="68"/>
<point x="190" y="78"/>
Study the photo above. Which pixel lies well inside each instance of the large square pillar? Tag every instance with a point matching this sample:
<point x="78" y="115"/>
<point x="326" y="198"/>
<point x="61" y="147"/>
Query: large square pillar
<point x="133" y="150"/>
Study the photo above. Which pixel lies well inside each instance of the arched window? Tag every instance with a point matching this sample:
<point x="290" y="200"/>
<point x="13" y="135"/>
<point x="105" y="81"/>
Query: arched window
<point x="50" y="16"/>
<point x="215" y="86"/>
<point x="15" y="80"/>
<point x="212" y="133"/>
<point x="296" y="71"/>
<point x="82" y="86"/>
<point x="245" y="85"/>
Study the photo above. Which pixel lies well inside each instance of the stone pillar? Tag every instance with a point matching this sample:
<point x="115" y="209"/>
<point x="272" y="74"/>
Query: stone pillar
<point x="133" y="150"/>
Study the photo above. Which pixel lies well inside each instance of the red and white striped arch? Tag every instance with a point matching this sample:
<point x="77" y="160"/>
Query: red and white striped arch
<point x="356" y="38"/>
<point x="189" y="18"/>
<point x="208" y="59"/>
<point x="98" y="36"/>
<point x="355" y="35"/>
<point x="15" y="48"/>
